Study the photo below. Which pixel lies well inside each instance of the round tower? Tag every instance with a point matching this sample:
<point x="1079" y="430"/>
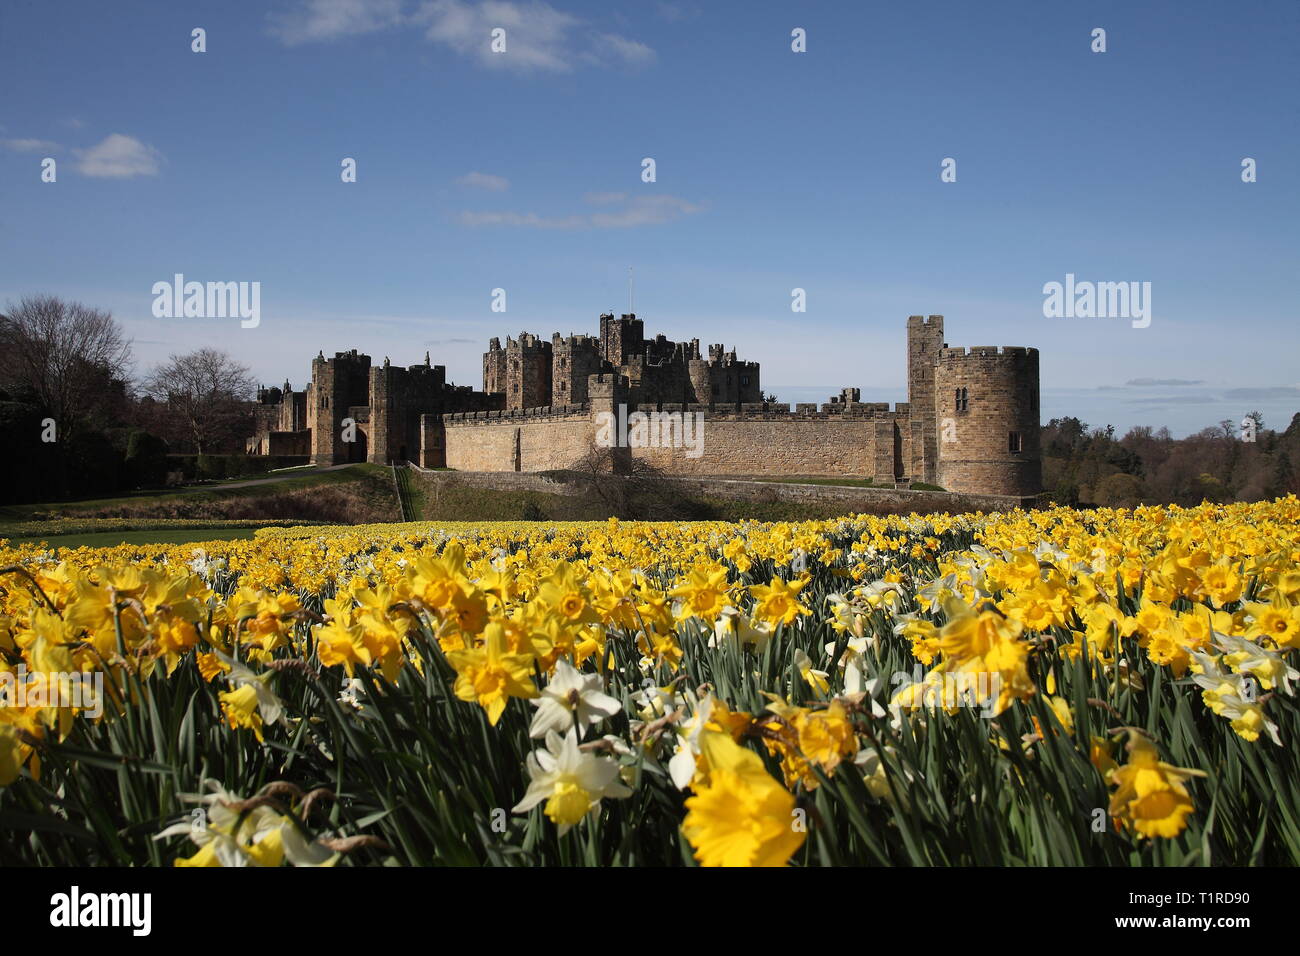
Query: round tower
<point x="986" y="411"/>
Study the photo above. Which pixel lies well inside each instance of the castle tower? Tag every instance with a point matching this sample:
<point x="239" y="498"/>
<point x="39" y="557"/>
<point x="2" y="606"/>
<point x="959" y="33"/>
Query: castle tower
<point x="924" y="342"/>
<point x="398" y="397"/>
<point x="494" y="369"/>
<point x="528" y="372"/>
<point x="608" y="391"/>
<point x="621" y="338"/>
<point x="986" y="407"/>
<point x="573" y="359"/>
<point x="338" y="385"/>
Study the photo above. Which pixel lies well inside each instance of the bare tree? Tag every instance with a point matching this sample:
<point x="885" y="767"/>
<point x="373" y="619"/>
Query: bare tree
<point x="206" y="394"/>
<point x="624" y="486"/>
<point x="64" y="353"/>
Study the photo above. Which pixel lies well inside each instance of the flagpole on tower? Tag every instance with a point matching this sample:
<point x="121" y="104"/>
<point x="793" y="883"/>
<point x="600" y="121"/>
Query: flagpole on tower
<point x="630" y="309"/>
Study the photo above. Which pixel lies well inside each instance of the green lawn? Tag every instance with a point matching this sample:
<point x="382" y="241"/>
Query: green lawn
<point x="108" y="539"/>
<point x="837" y="482"/>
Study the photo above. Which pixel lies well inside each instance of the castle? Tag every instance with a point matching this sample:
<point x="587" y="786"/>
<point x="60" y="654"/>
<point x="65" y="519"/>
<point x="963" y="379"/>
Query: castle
<point x="970" y="423"/>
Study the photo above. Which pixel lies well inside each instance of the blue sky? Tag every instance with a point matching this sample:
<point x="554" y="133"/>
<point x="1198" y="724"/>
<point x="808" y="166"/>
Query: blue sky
<point x="775" y="170"/>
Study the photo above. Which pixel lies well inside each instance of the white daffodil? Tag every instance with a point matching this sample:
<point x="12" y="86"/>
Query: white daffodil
<point x="571" y="696"/>
<point x="1047" y="551"/>
<point x="847" y="617"/>
<point x="881" y="592"/>
<point x="868" y="760"/>
<point x="734" y="627"/>
<point x="681" y="768"/>
<point x="348" y="693"/>
<point x="653" y="702"/>
<point x="1247" y="657"/>
<point x="851" y="661"/>
<point x="935" y="591"/>
<point x="570" y="781"/>
<point x="1229" y="696"/>
<point x="270" y="707"/>
<point x="811" y="676"/>
<point x="262" y="838"/>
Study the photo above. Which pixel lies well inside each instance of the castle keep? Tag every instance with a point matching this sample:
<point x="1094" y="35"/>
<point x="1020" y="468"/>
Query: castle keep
<point x="970" y="423"/>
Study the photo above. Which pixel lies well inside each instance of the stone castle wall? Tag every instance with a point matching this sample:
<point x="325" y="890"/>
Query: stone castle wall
<point x="859" y="441"/>
<point x="970" y="424"/>
<point x="540" y="439"/>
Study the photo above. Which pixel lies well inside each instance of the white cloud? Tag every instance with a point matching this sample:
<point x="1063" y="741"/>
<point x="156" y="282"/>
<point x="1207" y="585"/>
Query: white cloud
<point x="316" y="21"/>
<point x="118" y="157"/>
<point x="603" y="199"/>
<point x="537" y="35"/>
<point x="643" y="211"/>
<point x="612" y="48"/>
<point x="29" y="145"/>
<point x="496" y="184"/>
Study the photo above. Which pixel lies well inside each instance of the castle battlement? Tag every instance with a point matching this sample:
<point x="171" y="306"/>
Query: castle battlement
<point x="986" y="351"/>
<point x="496" y="416"/>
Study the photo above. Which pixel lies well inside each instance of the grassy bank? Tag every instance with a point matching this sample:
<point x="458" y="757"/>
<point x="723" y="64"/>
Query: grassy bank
<point x="356" y="494"/>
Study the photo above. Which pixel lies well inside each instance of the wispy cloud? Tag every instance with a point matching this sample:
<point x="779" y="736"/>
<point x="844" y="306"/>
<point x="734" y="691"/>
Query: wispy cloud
<point x="496" y="184"/>
<point x="1253" y="394"/>
<point x="118" y="157"/>
<point x="1162" y="382"/>
<point x="677" y="12"/>
<point x="538" y="37"/>
<point x="1173" y="400"/>
<point x="29" y="145"/>
<point x="643" y="211"/>
<point x="319" y="21"/>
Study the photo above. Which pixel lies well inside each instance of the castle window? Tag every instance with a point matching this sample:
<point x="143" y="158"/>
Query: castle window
<point x="962" y="400"/>
<point x="744" y="380"/>
<point x="1013" y="443"/>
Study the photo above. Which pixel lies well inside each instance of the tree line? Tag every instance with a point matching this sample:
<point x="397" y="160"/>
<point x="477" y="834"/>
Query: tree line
<point x="1090" y="466"/>
<point x="78" y="421"/>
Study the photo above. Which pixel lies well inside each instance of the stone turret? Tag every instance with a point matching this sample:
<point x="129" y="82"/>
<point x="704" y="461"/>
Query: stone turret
<point x="987" y="411"/>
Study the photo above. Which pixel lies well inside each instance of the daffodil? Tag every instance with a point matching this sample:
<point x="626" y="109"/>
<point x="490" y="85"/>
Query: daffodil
<point x="778" y="602"/>
<point x="1150" y="796"/>
<point x="740" y="816"/>
<point x="570" y="698"/>
<point x="571" y="781"/>
<point x="229" y="835"/>
<point x="490" y="674"/>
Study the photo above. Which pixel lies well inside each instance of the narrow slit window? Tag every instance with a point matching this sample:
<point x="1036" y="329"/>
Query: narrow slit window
<point x="1013" y="443"/>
